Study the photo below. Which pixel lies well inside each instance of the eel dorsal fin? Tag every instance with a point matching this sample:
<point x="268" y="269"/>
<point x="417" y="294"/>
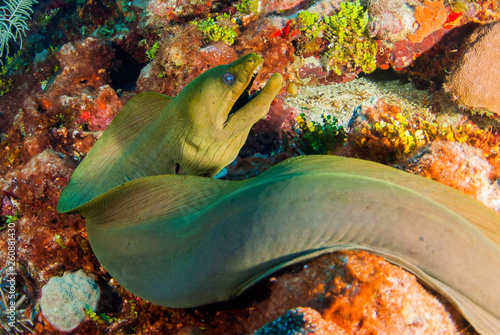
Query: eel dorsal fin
<point x="174" y="196"/>
<point x="110" y="162"/>
<point x="472" y="210"/>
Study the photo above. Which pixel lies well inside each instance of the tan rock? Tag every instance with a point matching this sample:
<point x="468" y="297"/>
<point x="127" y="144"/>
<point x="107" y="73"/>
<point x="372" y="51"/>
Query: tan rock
<point x="475" y="78"/>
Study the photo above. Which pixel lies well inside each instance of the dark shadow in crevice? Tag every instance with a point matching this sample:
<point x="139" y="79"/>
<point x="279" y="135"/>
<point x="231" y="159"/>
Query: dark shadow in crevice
<point x="126" y="70"/>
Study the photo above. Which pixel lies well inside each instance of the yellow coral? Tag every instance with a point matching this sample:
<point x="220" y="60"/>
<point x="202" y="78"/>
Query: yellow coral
<point x="405" y="137"/>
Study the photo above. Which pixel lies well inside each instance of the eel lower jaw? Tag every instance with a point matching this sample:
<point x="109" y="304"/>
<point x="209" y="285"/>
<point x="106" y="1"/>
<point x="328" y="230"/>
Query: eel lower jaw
<point x="250" y="108"/>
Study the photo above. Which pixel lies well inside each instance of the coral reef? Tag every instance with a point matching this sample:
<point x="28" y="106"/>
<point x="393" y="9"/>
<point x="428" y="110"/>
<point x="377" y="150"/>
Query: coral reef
<point x="65" y="299"/>
<point x="80" y="69"/>
<point x="349" y="49"/>
<point x="432" y="66"/>
<point x="33" y="174"/>
<point x="386" y="293"/>
<point x="35" y="139"/>
<point x="175" y="65"/>
<point x="276" y="50"/>
<point x="431" y="30"/>
<point x="384" y="132"/>
<point x="488" y="11"/>
<point x="68" y="82"/>
<point x="158" y="12"/>
<point x="96" y="111"/>
<point x="274" y="6"/>
<point x="246" y="7"/>
<point x="32" y="191"/>
<point x="474" y="80"/>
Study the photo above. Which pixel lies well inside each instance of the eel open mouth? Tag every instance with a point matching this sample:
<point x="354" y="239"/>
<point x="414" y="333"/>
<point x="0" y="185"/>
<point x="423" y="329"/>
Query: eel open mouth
<point x="245" y="96"/>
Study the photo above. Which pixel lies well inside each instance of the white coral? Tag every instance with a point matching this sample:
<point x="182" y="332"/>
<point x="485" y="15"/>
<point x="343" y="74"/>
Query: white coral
<point x="13" y="22"/>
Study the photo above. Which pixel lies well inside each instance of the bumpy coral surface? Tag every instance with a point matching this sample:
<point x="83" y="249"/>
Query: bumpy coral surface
<point x="65" y="299"/>
<point x="177" y="63"/>
<point x="277" y="51"/>
<point x="80" y="67"/>
<point x="158" y="12"/>
<point x="463" y="167"/>
<point x="475" y="78"/>
<point x="392" y="20"/>
<point x="272" y="5"/>
<point x="462" y="156"/>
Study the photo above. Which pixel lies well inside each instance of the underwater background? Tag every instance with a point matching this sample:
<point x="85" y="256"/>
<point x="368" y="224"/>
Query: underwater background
<point x="407" y="83"/>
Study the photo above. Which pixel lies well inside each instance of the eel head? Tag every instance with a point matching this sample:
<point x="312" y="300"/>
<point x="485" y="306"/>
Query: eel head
<point x="220" y="111"/>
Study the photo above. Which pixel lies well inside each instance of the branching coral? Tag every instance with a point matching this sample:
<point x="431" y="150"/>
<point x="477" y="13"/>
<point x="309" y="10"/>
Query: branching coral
<point x="310" y="24"/>
<point x="405" y="137"/>
<point x="221" y="29"/>
<point x="349" y="47"/>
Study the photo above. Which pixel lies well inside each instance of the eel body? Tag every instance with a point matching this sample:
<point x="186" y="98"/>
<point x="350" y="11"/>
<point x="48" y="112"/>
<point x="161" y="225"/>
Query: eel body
<point x="186" y="241"/>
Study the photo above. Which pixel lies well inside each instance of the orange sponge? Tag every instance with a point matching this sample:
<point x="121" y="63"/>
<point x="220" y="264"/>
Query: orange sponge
<point x="430" y="17"/>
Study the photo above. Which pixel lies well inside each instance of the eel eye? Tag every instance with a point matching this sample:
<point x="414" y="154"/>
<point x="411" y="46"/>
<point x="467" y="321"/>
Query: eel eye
<point x="228" y="78"/>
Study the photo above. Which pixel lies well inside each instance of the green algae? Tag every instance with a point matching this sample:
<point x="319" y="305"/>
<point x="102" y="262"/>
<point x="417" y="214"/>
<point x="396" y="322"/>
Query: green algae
<point x="349" y="46"/>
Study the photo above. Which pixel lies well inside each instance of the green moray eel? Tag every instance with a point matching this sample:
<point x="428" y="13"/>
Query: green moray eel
<point x="182" y="240"/>
<point x="198" y="132"/>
